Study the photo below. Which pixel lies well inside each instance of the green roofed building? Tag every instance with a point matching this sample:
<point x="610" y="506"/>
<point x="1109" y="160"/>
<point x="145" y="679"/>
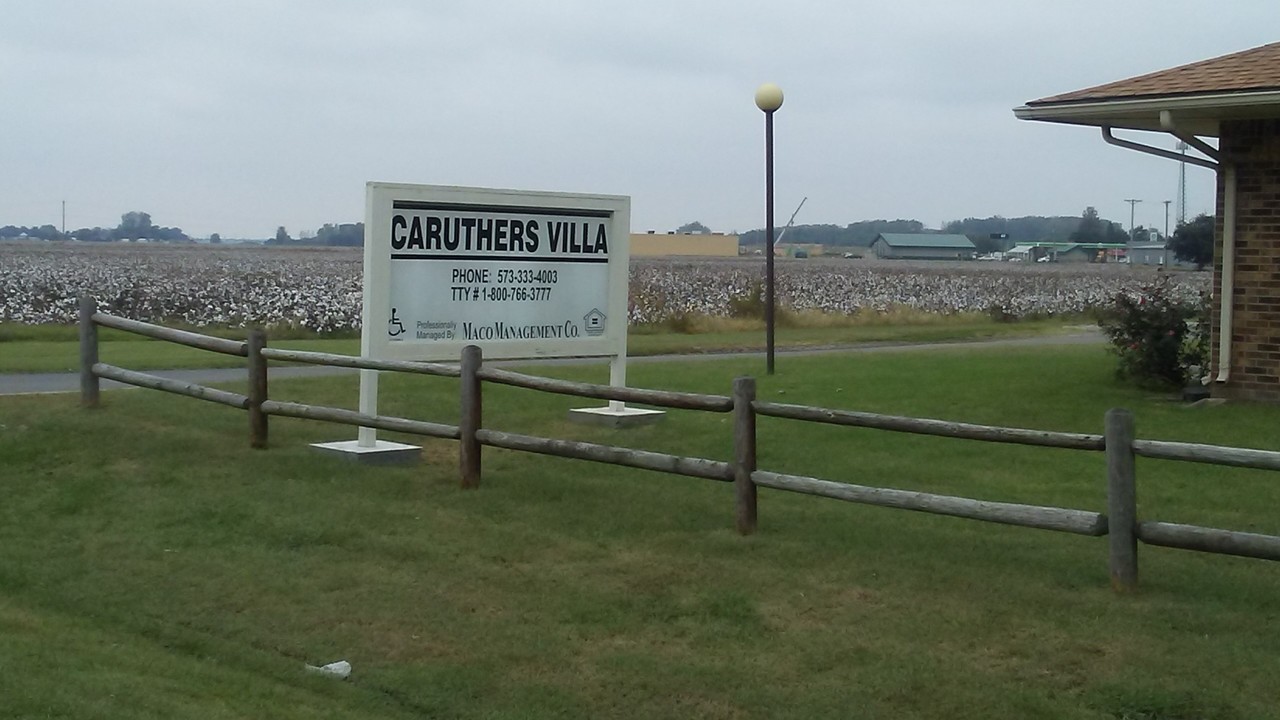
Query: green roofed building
<point x="922" y="246"/>
<point x="1069" y="252"/>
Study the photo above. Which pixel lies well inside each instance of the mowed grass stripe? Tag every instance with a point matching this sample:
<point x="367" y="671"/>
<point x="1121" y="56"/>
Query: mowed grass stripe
<point x="53" y="348"/>
<point x="571" y="589"/>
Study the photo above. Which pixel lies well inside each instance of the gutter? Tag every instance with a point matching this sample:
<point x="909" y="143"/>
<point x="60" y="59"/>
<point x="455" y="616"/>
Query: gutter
<point x="1080" y="112"/>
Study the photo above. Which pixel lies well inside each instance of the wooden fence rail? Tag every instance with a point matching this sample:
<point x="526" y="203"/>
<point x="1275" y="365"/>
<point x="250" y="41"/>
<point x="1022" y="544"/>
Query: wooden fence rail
<point x="359" y="419"/>
<point x="1079" y="522"/>
<point x="661" y="398"/>
<point x="1120" y="522"/>
<point x="181" y="337"/>
<point x="200" y="392"/>
<point x="1211" y="454"/>
<point x="349" y="361"/>
<point x="643" y="459"/>
<point x="927" y="426"/>
<point x="1212" y="540"/>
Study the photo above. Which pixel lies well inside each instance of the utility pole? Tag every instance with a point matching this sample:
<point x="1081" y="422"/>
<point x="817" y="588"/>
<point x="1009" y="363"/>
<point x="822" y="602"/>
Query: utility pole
<point x="64" y="218"/>
<point x="1165" y="263"/>
<point x="1182" y="184"/>
<point x="1132" y="203"/>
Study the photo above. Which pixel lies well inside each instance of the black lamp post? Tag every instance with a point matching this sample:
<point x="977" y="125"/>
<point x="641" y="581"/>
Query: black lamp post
<point x="768" y="99"/>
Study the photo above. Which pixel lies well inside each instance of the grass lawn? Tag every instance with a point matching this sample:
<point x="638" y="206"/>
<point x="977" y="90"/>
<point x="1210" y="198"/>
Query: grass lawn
<point x="156" y="567"/>
<point x="25" y="349"/>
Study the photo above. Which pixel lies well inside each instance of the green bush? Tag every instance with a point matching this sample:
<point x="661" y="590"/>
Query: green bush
<point x="1161" y="340"/>
<point x="750" y="305"/>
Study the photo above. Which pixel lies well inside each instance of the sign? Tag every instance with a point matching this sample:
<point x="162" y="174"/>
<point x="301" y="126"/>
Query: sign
<point x="521" y="274"/>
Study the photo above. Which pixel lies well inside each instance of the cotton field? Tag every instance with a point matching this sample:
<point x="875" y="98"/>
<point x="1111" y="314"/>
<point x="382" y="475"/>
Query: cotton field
<point x="199" y="285"/>
<point x="667" y="287"/>
<point x="319" y="289"/>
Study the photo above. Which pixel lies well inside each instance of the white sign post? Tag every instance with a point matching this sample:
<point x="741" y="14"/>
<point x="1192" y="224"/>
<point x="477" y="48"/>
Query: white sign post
<point x="521" y="274"/>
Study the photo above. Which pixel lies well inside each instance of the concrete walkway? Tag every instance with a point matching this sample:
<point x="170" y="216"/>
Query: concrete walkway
<point x="34" y="383"/>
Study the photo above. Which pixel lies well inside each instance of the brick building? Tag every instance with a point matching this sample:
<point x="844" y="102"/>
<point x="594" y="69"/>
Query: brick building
<point x="1236" y="99"/>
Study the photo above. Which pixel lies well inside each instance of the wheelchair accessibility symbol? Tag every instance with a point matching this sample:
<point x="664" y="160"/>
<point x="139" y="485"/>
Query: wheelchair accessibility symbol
<point x="395" y="328"/>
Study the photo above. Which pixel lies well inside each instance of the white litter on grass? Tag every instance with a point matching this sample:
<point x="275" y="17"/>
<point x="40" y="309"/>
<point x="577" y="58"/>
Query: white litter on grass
<point x="340" y="669"/>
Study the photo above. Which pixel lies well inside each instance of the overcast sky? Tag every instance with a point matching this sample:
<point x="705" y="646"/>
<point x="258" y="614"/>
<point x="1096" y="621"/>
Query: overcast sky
<point x="237" y="116"/>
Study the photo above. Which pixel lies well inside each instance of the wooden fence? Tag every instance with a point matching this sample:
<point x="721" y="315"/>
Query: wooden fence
<point x="1120" y="523"/>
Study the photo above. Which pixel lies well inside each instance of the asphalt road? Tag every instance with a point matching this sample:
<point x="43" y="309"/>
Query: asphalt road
<point x="35" y="383"/>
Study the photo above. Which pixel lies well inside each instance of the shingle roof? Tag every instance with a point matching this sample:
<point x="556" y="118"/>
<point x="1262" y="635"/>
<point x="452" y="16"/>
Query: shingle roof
<point x="926" y="240"/>
<point x="1197" y="97"/>
<point x="1254" y="69"/>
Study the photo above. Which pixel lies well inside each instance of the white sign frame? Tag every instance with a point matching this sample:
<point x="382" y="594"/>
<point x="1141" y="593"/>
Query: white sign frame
<point x="381" y="200"/>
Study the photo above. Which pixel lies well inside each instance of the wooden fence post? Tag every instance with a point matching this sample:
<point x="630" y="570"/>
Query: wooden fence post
<point x="469" y="419"/>
<point x="88" y="351"/>
<point x="1122" y="501"/>
<point x="744" y="453"/>
<point x="257" y="388"/>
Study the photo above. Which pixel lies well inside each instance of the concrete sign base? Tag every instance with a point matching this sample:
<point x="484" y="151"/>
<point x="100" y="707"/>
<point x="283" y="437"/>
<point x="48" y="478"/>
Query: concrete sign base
<point x="383" y="452"/>
<point x="616" y="418"/>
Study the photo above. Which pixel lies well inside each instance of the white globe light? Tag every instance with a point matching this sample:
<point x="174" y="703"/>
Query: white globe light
<point x="768" y="97"/>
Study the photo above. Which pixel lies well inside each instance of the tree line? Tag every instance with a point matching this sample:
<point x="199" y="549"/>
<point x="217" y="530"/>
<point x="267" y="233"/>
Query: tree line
<point x="329" y="235"/>
<point x="134" y="225"/>
<point x="1192" y="242"/>
<point x="137" y="226"/>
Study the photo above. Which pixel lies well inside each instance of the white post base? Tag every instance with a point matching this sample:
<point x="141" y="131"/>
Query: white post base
<point x="616" y="417"/>
<point x="382" y="452"/>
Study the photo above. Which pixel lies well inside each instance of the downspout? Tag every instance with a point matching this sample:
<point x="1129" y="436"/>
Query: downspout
<point x="1228" y="288"/>
<point x="1226" y="303"/>
<point x="1130" y="145"/>
<point x="1226" y="313"/>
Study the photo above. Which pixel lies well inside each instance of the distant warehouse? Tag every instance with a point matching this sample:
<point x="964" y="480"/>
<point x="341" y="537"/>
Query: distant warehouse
<point x="669" y="244"/>
<point x="922" y="246"/>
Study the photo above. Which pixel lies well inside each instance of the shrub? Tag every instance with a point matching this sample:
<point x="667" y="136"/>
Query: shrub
<point x="1161" y="340"/>
<point x="749" y="306"/>
<point x="681" y="322"/>
<point x="1000" y="312"/>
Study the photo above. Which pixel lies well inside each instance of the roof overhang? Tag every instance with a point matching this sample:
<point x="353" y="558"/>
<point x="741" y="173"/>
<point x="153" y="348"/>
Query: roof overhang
<point x="1197" y="114"/>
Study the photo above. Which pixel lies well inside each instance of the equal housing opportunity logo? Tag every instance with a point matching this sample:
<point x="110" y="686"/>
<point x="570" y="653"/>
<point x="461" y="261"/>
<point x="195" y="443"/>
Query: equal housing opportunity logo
<point x="594" y="322"/>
